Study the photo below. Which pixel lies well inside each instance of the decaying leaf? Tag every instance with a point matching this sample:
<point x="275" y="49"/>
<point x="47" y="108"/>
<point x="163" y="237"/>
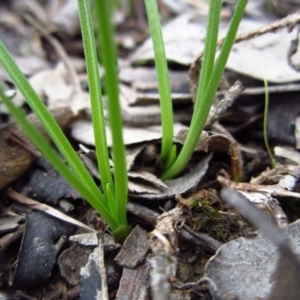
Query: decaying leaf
<point x="257" y="53"/>
<point x="82" y="130"/>
<point x="144" y="79"/>
<point x="134" y="259"/>
<point x="274" y="176"/>
<point x="145" y="183"/>
<point x="183" y="38"/>
<point x="66" y="20"/>
<point x="10" y="224"/>
<point x="181" y="184"/>
<point x="270" y="52"/>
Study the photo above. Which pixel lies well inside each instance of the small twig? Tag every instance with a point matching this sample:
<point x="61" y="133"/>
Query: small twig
<point x="153" y="98"/>
<point x="45" y="208"/>
<point x="290" y="21"/>
<point x="279" y="170"/>
<point x="282" y="88"/>
<point x="274" y="190"/>
<point x="185" y="233"/>
<point x="229" y="97"/>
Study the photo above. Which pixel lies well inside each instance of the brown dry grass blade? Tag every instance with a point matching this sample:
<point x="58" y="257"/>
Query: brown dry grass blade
<point x="46" y="209"/>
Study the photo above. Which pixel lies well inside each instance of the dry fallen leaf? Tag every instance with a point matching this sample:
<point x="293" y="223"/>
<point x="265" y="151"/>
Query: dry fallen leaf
<point x="263" y="57"/>
<point x="82" y="130"/>
<point x="183" y="37"/>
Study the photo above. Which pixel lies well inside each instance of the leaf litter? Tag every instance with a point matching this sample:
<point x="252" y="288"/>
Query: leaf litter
<point x="178" y="227"/>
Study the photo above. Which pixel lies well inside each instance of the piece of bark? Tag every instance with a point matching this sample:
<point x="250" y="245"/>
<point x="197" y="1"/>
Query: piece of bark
<point x="15" y="159"/>
<point x="93" y="276"/>
<point x="41" y="242"/>
<point x="133" y="257"/>
<point x="71" y="261"/>
<point x="134" y="249"/>
<point x="134" y="284"/>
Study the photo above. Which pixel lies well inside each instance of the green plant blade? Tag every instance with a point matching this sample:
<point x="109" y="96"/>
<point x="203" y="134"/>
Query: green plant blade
<point x="46" y="119"/>
<point x="161" y="66"/>
<point x="111" y="201"/>
<point x="98" y="119"/>
<point x="40" y="142"/>
<point x="210" y="48"/>
<point x="109" y="60"/>
<point x="172" y="156"/>
<point x="121" y="233"/>
<point x="201" y="113"/>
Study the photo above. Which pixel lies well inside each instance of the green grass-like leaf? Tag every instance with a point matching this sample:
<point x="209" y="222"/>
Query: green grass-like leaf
<point x="161" y="66"/>
<point x="111" y="205"/>
<point x="103" y="12"/>
<point x="98" y="119"/>
<point x="52" y="128"/>
<point x="205" y="98"/>
<point x="91" y="194"/>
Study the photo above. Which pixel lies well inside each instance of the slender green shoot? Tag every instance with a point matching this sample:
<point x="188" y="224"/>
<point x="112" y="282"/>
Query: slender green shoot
<point x="265" y="130"/>
<point x="95" y="93"/>
<point x="103" y="13"/>
<point x="209" y="52"/>
<point x="92" y="194"/>
<point x="112" y="204"/>
<point x="205" y="98"/>
<point x="163" y="81"/>
<point x="52" y="128"/>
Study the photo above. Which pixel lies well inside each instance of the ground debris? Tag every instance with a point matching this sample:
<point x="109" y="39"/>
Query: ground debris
<point x="246" y="268"/>
<point x="134" y="259"/>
